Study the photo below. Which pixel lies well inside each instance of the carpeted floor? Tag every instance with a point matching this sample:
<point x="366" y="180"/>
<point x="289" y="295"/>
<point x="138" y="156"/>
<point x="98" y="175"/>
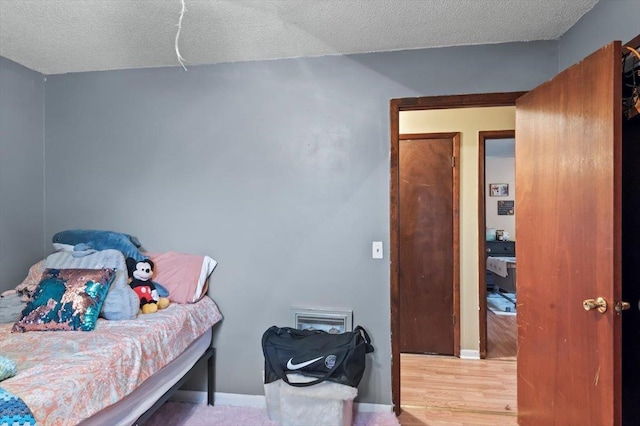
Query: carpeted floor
<point x="183" y="414"/>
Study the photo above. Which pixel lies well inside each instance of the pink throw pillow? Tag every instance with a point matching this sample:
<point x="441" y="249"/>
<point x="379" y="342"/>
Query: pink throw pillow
<point x="185" y="276"/>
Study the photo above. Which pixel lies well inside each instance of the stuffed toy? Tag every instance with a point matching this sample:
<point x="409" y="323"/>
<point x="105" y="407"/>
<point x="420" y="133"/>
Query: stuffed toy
<point x="141" y="272"/>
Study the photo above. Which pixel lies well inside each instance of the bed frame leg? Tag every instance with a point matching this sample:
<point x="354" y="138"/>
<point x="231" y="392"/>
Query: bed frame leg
<point x="210" y="355"/>
<point x="211" y="376"/>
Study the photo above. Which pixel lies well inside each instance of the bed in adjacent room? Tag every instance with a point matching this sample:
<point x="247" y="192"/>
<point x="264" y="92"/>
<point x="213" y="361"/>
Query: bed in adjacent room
<point x="504" y="268"/>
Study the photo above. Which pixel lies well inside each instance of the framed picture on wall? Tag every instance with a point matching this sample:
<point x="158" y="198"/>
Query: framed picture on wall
<point x="505" y="208"/>
<point x="499" y="189"/>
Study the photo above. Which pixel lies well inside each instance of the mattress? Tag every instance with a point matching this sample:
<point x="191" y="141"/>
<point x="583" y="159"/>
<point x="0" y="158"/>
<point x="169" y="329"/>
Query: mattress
<point x="130" y="408"/>
<point x="501" y="265"/>
<point x="505" y="270"/>
<point x="66" y="377"/>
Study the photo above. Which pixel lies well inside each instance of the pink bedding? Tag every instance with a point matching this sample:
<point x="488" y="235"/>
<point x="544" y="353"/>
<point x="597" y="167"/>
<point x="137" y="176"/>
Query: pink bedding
<point x="67" y="376"/>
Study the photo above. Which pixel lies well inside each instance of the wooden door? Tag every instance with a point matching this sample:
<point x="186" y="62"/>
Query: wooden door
<point x="568" y="175"/>
<point x="428" y="216"/>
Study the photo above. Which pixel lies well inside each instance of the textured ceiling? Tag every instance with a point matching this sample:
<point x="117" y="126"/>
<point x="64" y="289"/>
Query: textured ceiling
<point x="60" y="36"/>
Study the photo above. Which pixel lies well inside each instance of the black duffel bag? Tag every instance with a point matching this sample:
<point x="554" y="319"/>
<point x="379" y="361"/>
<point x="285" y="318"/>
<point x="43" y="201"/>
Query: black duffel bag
<point x="338" y="358"/>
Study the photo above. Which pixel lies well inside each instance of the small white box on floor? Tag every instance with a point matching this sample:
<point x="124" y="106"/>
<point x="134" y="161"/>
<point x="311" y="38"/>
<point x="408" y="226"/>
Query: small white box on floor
<point x="324" y="404"/>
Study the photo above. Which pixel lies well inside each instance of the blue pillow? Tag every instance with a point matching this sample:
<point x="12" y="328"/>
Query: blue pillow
<point x="66" y="299"/>
<point x="86" y="240"/>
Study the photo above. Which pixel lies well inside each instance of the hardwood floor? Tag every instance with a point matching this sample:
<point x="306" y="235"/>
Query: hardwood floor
<point x="502" y="341"/>
<point x="439" y="390"/>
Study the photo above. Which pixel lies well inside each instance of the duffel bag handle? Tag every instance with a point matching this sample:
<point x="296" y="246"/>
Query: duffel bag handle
<point x="365" y="336"/>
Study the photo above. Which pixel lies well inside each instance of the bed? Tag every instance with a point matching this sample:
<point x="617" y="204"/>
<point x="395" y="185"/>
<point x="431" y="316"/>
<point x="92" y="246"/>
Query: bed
<point x="504" y="268"/>
<point x="113" y="374"/>
<point x="80" y="351"/>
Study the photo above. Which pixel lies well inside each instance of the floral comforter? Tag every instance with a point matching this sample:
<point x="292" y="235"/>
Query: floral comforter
<point x="67" y="376"/>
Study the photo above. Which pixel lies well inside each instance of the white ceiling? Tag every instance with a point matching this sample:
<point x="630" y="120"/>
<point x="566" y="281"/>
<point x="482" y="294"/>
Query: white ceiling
<point x="60" y="36"/>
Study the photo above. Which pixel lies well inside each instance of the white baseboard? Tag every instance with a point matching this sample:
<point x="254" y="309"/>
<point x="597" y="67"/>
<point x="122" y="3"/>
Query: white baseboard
<point x="365" y="407"/>
<point x="192" y="397"/>
<point x="469" y="354"/>
<point x="220" y="398"/>
<point x="259" y="401"/>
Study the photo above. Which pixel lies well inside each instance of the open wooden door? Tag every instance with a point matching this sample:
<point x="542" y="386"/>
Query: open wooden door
<point x="568" y="175"/>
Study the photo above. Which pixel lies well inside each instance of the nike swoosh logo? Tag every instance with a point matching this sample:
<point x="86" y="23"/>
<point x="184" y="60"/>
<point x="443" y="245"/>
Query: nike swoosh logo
<point x="292" y="366"/>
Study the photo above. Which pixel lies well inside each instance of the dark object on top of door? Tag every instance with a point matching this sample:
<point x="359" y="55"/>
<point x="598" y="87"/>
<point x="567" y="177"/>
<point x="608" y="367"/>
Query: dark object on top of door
<point x="631" y="84"/>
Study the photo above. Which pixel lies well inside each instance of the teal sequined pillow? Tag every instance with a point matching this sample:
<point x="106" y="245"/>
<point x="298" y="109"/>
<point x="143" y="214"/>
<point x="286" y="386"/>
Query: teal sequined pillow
<point x="66" y="299"/>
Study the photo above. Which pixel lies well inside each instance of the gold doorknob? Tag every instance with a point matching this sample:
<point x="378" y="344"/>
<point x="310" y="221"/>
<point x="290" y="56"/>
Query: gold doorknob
<point x="622" y="306"/>
<point x="600" y="304"/>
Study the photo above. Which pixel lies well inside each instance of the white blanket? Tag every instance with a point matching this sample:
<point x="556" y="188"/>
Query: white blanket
<point x="500" y="265"/>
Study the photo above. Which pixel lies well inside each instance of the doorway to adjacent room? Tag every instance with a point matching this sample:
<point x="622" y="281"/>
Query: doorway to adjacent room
<point x="497" y="283"/>
<point x="468" y="246"/>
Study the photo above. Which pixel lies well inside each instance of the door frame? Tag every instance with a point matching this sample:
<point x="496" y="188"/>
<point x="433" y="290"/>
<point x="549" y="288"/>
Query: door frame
<point x="482" y="224"/>
<point x="413" y="104"/>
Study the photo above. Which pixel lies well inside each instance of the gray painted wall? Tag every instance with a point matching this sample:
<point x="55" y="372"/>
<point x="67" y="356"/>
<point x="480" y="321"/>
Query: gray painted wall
<point x="609" y="20"/>
<point x="277" y="169"/>
<point x="21" y="171"/>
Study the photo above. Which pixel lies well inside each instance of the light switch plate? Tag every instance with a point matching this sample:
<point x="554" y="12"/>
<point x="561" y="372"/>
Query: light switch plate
<point x="376" y="249"/>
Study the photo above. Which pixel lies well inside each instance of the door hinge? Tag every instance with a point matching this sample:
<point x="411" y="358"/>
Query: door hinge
<point x="453" y="161"/>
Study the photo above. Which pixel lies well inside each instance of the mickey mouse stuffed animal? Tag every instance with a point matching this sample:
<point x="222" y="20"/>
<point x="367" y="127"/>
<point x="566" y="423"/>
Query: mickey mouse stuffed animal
<point x="140" y="273"/>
